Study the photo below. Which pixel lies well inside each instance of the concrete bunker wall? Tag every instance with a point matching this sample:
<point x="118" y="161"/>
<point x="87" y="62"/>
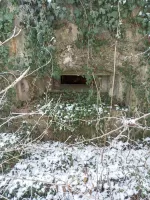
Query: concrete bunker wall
<point x="72" y="59"/>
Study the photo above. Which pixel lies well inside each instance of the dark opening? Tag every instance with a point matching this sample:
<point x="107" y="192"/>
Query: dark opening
<point x="72" y="79"/>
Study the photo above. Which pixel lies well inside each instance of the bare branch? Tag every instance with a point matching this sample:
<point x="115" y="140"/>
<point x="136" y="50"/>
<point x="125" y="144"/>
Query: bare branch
<point x="13" y="36"/>
<point x="15" y="82"/>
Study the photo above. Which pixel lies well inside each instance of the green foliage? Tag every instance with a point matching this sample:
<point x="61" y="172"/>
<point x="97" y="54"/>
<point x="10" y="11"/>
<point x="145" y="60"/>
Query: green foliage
<point x="130" y="73"/>
<point x="95" y="17"/>
<point x="9" y="160"/>
<point x="6" y="27"/>
<point x="40" y="18"/>
<point x="92" y="18"/>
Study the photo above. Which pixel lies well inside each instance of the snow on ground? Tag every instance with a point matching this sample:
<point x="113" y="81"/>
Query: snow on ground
<point x="53" y="171"/>
<point x="69" y="113"/>
<point x="8" y="140"/>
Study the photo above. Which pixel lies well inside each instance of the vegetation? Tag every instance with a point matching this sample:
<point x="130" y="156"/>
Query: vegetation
<point x="76" y="118"/>
<point x="40" y="18"/>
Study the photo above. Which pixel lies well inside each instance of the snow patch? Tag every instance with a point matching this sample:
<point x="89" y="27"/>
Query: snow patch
<point x="56" y="171"/>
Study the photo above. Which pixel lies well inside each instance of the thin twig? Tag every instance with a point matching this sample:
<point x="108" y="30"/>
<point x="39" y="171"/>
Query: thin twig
<point x="13" y="36"/>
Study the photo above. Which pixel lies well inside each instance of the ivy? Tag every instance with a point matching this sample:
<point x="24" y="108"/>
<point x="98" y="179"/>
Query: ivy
<point x="6" y="27"/>
<point x="41" y="17"/>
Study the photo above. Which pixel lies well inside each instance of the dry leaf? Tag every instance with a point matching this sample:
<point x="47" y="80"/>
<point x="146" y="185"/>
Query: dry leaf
<point x="85" y="180"/>
<point x="64" y="189"/>
<point x="69" y="188"/>
<point x="90" y="191"/>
